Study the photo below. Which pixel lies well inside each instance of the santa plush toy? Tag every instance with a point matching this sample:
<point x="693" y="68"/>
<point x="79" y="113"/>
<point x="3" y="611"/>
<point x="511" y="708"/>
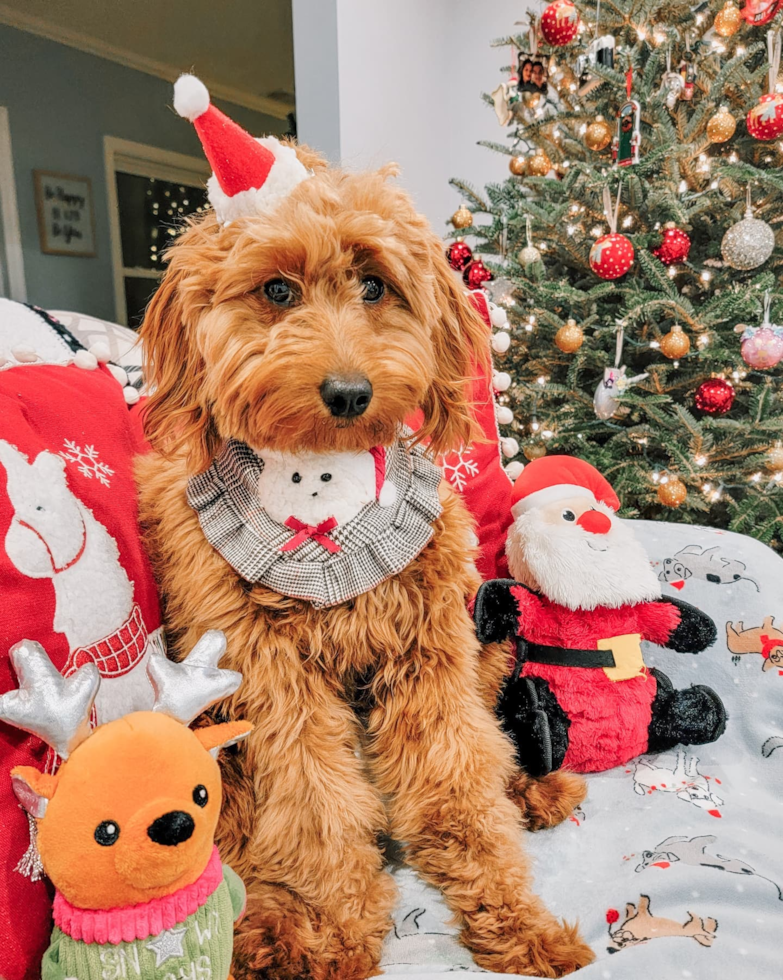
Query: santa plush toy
<point x="583" y="597"/>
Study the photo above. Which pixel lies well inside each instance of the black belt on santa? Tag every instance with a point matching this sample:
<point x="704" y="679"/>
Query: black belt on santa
<point x="538" y="653"/>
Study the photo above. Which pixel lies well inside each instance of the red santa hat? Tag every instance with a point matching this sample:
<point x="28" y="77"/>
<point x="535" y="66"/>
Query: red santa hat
<point x="552" y="478"/>
<point x="249" y="176"/>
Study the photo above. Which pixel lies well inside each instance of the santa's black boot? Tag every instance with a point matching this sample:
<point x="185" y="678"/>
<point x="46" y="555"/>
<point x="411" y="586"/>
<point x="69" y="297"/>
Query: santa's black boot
<point x="692" y="716"/>
<point x="538" y="726"/>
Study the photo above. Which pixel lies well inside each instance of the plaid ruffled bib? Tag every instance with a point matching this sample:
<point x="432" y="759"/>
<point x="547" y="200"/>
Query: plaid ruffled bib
<point x="329" y="558"/>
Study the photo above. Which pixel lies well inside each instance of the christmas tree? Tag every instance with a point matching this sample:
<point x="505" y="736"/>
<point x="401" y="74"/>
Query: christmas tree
<point x="633" y="245"/>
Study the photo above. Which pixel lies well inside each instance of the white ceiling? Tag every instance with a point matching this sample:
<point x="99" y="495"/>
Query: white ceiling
<point x="242" y="49"/>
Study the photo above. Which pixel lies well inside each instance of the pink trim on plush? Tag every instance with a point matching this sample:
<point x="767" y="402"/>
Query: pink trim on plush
<point x="124" y="925"/>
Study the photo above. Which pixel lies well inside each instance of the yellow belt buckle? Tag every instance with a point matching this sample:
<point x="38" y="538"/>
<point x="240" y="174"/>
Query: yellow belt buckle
<point x="627" y="650"/>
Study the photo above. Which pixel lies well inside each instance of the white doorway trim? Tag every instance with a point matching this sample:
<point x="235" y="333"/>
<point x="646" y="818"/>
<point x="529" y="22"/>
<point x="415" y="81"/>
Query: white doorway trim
<point x="9" y="217"/>
<point x="144" y="161"/>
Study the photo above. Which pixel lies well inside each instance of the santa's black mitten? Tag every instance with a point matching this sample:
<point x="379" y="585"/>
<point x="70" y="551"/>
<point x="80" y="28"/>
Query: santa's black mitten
<point x="495" y="611"/>
<point x="695" y="632"/>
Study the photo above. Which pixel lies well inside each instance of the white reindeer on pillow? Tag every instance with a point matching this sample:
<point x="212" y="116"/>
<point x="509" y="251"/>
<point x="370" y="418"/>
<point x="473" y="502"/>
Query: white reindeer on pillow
<point x="53" y="535"/>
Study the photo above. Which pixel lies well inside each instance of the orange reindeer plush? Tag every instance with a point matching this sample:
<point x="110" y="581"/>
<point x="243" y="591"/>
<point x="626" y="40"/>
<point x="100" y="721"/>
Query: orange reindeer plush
<point x="125" y="827"/>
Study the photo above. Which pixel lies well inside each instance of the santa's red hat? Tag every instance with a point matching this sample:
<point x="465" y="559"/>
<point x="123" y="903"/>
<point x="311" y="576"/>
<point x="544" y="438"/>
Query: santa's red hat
<point x="249" y="176"/>
<point x="551" y="478"/>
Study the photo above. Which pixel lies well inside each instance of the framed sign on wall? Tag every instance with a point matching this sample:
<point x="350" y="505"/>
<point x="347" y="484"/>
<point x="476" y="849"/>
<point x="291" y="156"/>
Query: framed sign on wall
<point x="66" y="220"/>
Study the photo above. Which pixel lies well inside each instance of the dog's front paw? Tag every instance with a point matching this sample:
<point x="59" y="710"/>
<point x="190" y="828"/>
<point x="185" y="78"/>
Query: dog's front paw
<point x="545" y="948"/>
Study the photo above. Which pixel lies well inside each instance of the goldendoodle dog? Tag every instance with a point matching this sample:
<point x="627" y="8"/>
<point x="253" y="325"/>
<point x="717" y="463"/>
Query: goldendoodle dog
<point x="317" y="327"/>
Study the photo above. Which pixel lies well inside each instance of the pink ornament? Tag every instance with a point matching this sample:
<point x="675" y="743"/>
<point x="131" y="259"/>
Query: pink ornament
<point x="762" y="347"/>
<point x="559" y="23"/>
<point x="611" y="256"/>
<point x="765" y="119"/>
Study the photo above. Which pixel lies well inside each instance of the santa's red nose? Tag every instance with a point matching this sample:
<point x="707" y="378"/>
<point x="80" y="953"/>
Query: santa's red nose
<point x="595" y="522"/>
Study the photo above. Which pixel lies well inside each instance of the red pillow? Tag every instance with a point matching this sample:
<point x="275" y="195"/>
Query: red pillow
<point x="74" y="577"/>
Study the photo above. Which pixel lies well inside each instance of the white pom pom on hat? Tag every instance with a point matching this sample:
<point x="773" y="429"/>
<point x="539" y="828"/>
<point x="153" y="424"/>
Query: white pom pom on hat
<point x="191" y="98"/>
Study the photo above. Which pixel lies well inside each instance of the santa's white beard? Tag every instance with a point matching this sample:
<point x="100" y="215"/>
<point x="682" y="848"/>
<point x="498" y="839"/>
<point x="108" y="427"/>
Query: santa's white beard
<point x="563" y="563"/>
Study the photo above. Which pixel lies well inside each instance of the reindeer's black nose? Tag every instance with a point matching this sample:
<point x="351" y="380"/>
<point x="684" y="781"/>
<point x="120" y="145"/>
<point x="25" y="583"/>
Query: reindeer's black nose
<point x="346" y="398"/>
<point x="172" y="828"/>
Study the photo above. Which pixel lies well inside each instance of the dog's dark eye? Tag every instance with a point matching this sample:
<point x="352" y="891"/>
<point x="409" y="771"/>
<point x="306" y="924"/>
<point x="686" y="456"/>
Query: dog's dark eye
<point x="278" y="291"/>
<point x="106" y="833"/>
<point x="296" y="478"/>
<point x="568" y="515"/>
<point x="372" y="289"/>
<point x="326" y="477"/>
<point x="200" y="795"/>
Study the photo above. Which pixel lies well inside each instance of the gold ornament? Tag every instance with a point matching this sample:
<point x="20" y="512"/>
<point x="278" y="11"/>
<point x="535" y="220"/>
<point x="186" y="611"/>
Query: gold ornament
<point x="728" y="20"/>
<point x="672" y="493"/>
<point x="721" y="126"/>
<point x="462" y="218"/>
<point x="569" y="337"/>
<point x="528" y="255"/>
<point x="774" y="459"/>
<point x="534" y="451"/>
<point x="518" y="165"/>
<point x="531" y="99"/>
<point x="675" y="343"/>
<point x="539" y="164"/>
<point x="598" y="135"/>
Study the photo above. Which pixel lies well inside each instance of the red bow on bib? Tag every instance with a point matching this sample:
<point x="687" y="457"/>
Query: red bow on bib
<point x="318" y="532"/>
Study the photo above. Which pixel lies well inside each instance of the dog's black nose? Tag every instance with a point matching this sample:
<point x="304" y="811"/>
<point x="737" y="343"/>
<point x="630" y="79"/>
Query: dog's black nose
<point x="172" y="828"/>
<point x="346" y="398"/>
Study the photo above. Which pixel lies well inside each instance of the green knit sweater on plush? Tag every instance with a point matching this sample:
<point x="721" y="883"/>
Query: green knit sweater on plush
<point x="198" y="948"/>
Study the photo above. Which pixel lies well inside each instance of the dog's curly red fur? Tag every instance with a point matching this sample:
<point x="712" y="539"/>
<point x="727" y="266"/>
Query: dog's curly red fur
<point x="397" y="670"/>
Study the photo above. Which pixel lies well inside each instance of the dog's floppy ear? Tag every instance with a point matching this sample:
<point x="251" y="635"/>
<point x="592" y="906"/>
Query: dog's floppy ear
<point x="176" y="417"/>
<point x="461" y="342"/>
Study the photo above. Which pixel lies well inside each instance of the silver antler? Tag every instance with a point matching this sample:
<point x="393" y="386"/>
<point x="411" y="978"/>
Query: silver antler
<point x="183" y="690"/>
<point x="55" y="708"/>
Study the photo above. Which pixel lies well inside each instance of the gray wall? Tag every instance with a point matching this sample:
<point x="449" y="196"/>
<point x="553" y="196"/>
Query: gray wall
<point x="61" y="103"/>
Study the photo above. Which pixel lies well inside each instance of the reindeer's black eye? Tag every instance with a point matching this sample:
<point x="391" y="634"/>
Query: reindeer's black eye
<point x="278" y="291"/>
<point x="326" y="477"/>
<point x="200" y="795"/>
<point x="296" y="478"/>
<point x="106" y="833"/>
<point x="372" y="289"/>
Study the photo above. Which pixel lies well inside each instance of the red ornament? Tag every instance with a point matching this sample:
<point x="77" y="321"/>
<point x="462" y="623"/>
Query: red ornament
<point x="476" y="274"/>
<point x="715" y="396"/>
<point x="758" y="12"/>
<point x="765" y="119"/>
<point x="675" y="246"/>
<point x="459" y="254"/>
<point x="611" y="256"/>
<point x="612" y="916"/>
<point x="559" y="23"/>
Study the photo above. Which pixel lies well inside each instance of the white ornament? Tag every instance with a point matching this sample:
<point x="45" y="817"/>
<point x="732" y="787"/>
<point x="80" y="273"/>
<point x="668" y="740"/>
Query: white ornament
<point x="504" y="415"/>
<point x="130" y="394"/>
<point x="100" y="351"/>
<point x="498" y="316"/>
<point x="501" y="381"/>
<point x="501" y="342"/>
<point x="85" y="360"/>
<point x="514" y="469"/>
<point x="509" y="447"/>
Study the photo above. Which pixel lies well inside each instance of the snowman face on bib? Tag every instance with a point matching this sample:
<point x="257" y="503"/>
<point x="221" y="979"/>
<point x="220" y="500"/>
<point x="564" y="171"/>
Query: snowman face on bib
<point x="312" y="487"/>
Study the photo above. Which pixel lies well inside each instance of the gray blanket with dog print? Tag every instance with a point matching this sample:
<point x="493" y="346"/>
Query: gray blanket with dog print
<point x="674" y="864"/>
